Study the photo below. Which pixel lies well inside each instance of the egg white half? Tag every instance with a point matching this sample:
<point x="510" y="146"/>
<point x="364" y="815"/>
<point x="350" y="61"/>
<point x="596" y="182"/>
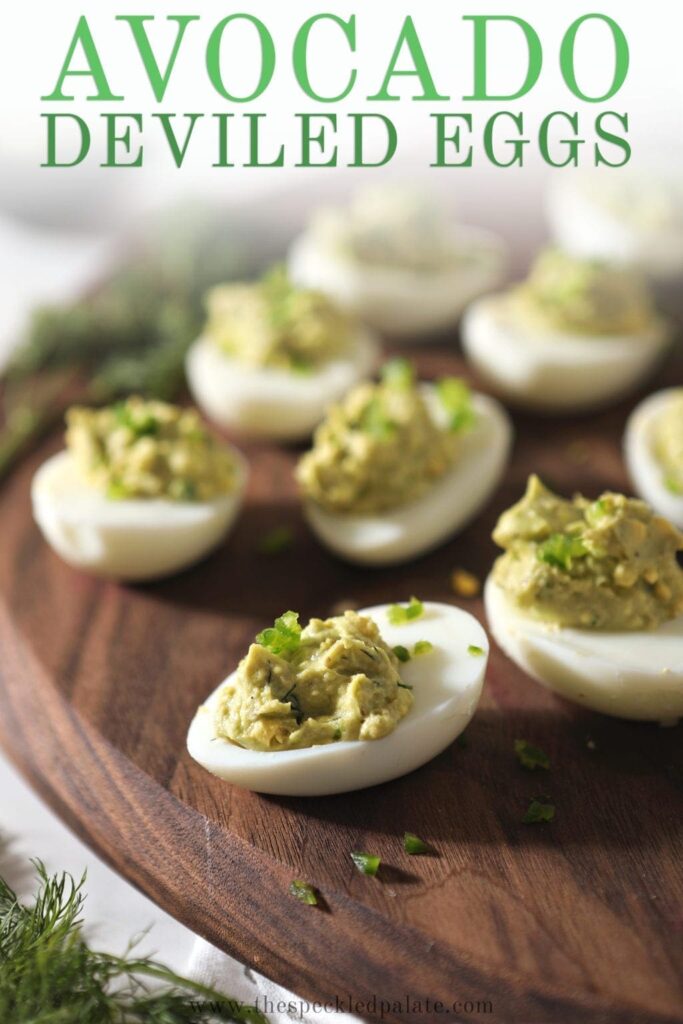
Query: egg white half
<point x="644" y="468"/>
<point x="398" y="302"/>
<point x="636" y="675"/>
<point x="556" y="372"/>
<point x="397" y="535"/>
<point x="447" y="684"/>
<point x="268" y="402"/>
<point x="129" y="539"/>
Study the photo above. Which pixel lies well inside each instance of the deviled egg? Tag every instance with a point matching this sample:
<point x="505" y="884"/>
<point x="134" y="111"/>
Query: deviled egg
<point x="273" y="357"/>
<point x="626" y="218"/>
<point x="395" y="260"/>
<point x="141" y="490"/>
<point x="576" y="334"/>
<point x="653" y="449"/>
<point x="398" y="467"/>
<point x="343" y="703"/>
<point x="588" y="599"/>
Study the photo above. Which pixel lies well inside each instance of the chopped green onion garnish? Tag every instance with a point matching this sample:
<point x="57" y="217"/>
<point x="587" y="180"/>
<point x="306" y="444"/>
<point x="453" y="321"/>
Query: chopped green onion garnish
<point x="560" y="550"/>
<point x="116" y="491"/>
<point x="422" y="647"/>
<point x="141" y="426"/>
<point x="531" y="757"/>
<point x="456" y="398"/>
<point x="413" y="844"/>
<point x="304" y="892"/>
<point x="403" y="686"/>
<point x="399" y="614"/>
<point x="375" y="421"/>
<point x="476" y="652"/>
<point x="673" y="484"/>
<point x="398" y="373"/>
<point x="284" y="636"/>
<point x="278" y="540"/>
<point x="539" y="811"/>
<point x="402" y="653"/>
<point x="366" y="863"/>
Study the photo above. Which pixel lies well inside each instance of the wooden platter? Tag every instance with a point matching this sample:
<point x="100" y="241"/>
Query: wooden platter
<point x="579" y="920"/>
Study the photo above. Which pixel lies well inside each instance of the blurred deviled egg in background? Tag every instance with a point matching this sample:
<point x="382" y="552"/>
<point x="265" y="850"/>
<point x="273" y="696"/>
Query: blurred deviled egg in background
<point x="397" y="260"/>
<point x="343" y="703"/>
<point x="273" y="356"/>
<point x="628" y="218"/>
<point x="398" y="466"/>
<point x="653" y="449"/>
<point x="141" y="490"/>
<point x="588" y="600"/>
<point x="574" y="335"/>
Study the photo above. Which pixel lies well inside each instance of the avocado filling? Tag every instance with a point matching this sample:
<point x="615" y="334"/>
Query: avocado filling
<point x="149" y="449"/>
<point x="609" y="564"/>
<point x="386" y="443"/>
<point x="272" y="323"/>
<point x="667" y="441"/>
<point x="335" y="679"/>
<point x="566" y="294"/>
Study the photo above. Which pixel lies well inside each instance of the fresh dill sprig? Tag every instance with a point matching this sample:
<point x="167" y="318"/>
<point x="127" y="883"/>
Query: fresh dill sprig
<point x="50" y="975"/>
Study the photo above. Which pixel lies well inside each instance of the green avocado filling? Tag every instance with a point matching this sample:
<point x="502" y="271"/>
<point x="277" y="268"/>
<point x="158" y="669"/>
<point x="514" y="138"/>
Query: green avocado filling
<point x="385" y="444"/>
<point x="609" y="564"/>
<point x="272" y="323"/>
<point x="667" y="441"/>
<point x="149" y="449"/>
<point x="333" y="679"/>
<point x="567" y="294"/>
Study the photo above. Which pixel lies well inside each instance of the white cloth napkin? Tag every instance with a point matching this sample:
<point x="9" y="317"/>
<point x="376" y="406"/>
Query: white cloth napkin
<point x="209" y="966"/>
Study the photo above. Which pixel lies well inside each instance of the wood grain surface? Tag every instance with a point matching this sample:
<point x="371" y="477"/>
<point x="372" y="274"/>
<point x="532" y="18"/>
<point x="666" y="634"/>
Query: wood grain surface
<point x="578" y="920"/>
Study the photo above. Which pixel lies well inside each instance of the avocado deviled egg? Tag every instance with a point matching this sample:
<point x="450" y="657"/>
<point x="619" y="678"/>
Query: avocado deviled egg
<point x="396" y="260"/>
<point x="575" y="335"/>
<point x="398" y="466"/>
<point x="653" y="450"/>
<point x="343" y="703"/>
<point x="141" y="491"/>
<point x="588" y="600"/>
<point x="273" y="356"/>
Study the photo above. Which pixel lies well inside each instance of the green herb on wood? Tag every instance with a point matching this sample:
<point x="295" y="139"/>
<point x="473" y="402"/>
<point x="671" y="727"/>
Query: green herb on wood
<point x="366" y="863"/>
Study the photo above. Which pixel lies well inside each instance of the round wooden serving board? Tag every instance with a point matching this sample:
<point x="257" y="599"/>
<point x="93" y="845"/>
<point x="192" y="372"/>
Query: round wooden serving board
<point x="577" y="920"/>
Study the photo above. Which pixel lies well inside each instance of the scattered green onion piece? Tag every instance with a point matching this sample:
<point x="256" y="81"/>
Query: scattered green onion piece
<point x="539" y="811"/>
<point x="560" y="550"/>
<point x="402" y="653"/>
<point x="304" y="892"/>
<point x="366" y="863"/>
<point x="531" y="757"/>
<point x="456" y="398"/>
<point x="399" y="614"/>
<point x="398" y="373"/>
<point x="375" y="421"/>
<point x="284" y="636"/>
<point x="422" y="647"/>
<point x="278" y="540"/>
<point x="476" y="652"/>
<point x="412" y="844"/>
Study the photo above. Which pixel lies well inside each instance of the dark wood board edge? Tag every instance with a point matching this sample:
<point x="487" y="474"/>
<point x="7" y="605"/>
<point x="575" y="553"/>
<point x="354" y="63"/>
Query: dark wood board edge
<point x="136" y="827"/>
